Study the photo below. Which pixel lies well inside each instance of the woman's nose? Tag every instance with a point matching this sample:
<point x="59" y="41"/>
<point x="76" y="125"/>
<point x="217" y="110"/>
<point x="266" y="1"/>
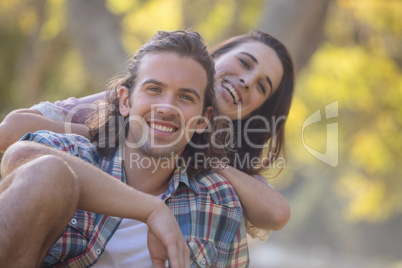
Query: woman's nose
<point x="244" y="83"/>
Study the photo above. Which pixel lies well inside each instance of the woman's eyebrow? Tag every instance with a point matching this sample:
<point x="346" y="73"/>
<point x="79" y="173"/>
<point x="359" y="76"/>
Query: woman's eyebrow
<point x="256" y="61"/>
<point x="250" y="56"/>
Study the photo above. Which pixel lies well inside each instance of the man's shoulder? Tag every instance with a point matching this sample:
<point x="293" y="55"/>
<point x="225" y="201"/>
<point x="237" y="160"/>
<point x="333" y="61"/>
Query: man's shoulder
<point x="221" y="191"/>
<point x="70" y="143"/>
<point x="52" y="137"/>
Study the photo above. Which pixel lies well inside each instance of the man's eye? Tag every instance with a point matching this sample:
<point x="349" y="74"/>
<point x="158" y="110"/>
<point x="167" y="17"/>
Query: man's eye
<point x="186" y="97"/>
<point x="154" y="89"/>
<point x="244" y="63"/>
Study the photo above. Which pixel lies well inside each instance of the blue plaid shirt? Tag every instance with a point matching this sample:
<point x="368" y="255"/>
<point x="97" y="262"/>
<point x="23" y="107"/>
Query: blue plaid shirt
<point x="206" y="207"/>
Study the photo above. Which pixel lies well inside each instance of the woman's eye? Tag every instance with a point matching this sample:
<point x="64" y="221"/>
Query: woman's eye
<point x="262" y="88"/>
<point x="244" y="63"/>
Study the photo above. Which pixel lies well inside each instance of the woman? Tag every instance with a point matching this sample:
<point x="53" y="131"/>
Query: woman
<point x="255" y="83"/>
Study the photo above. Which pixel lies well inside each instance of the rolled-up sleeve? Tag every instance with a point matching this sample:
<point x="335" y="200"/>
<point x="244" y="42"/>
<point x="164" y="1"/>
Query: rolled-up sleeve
<point x="75" y="145"/>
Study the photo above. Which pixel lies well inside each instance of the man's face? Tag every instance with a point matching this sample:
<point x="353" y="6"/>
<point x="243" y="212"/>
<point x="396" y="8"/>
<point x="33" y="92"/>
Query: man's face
<point x="165" y="105"/>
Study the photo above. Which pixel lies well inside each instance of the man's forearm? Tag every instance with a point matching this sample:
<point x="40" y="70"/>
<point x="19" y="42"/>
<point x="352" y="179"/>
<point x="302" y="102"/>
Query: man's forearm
<point x="99" y="191"/>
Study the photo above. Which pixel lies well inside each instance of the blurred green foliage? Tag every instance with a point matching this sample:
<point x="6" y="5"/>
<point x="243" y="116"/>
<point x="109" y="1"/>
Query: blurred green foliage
<point x="358" y="66"/>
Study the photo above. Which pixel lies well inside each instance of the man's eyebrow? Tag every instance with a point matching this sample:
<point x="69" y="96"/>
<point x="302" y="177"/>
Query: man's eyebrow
<point x="161" y="84"/>
<point x="154" y="81"/>
<point x="250" y="56"/>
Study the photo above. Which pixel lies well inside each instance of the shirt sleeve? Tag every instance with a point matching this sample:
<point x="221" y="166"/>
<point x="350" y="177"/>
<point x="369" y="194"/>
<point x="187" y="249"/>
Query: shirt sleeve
<point x="239" y="249"/>
<point x="75" y="145"/>
<point x="262" y="179"/>
<point x="50" y="110"/>
<point x="71" y="110"/>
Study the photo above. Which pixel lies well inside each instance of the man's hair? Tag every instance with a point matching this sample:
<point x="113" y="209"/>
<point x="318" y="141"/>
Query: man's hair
<point x="108" y="128"/>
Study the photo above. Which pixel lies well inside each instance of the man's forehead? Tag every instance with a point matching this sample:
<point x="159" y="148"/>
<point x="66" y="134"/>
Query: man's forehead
<point x="170" y="68"/>
<point x="155" y="57"/>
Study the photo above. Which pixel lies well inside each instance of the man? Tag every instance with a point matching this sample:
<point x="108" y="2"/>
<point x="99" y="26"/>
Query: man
<point x="167" y="99"/>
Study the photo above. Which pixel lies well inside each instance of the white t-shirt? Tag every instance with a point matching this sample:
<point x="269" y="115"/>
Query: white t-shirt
<point x="127" y="247"/>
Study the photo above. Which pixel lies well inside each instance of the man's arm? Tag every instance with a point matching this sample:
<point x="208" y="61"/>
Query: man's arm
<point x="101" y="193"/>
<point x="19" y="122"/>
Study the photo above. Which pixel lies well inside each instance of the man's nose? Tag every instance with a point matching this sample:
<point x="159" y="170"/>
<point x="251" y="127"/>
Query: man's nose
<point x="167" y="107"/>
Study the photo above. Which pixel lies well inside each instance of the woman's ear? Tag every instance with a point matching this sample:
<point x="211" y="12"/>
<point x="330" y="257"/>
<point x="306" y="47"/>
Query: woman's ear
<point x="203" y="123"/>
<point x="124" y="101"/>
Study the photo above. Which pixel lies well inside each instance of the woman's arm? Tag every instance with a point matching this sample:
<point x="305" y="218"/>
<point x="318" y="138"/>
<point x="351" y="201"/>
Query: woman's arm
<point x="263" y="206"/>
<point x="92" y="98"/>
<point x="47" y="116"/>
<point x="19" y="122"/>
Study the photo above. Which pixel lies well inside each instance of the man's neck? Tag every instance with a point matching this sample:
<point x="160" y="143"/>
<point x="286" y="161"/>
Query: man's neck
<point x="147" y="174"/>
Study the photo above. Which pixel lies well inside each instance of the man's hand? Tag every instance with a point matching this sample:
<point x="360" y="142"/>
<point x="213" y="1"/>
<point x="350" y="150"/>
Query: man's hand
<point x="157" y="251"/>
<point x="165" y="240"/>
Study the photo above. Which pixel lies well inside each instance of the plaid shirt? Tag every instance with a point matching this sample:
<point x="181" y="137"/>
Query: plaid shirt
<point x="206" y="207"/>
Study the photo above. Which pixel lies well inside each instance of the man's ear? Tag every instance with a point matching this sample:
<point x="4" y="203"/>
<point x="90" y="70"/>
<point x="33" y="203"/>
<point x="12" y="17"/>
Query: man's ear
<point x="203" y="123"/>
<point x="124" y="101"/>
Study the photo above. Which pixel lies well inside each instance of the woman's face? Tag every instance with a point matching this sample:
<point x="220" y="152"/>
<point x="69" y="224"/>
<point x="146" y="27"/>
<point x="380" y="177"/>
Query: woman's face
<point x="247" y="76"/>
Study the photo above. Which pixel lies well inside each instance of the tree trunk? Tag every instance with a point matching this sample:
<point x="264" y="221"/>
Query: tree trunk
<point x="298" y="24"/>
<point x="96" y="34"/>
<point x="32" y="62"/>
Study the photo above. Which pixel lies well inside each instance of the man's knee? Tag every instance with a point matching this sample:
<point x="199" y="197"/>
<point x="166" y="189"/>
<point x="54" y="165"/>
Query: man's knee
<point x="59" y="176"/>
<point x="45" y="196"/>
<point x="54" y="174"/>
<point x="29" y="162"/>
<point x="16" y="155"/>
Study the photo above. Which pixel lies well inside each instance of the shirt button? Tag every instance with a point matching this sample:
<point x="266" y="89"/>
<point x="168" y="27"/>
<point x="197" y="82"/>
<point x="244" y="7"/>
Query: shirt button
<point x="203" y="261"/>
<point x="98" y="251"/>
<point x="73" y="221"/>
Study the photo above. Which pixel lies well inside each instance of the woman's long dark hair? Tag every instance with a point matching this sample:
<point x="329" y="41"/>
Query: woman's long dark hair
<point x="275" y="109"/>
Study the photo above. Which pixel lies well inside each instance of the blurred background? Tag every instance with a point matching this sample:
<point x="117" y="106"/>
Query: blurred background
<point x="342" y="174"/>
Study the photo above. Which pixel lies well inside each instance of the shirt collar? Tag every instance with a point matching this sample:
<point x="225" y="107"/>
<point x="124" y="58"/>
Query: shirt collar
<point x="119" y="159"/>
<point x="179" y="175"/>
<point x="114" y="163"/>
